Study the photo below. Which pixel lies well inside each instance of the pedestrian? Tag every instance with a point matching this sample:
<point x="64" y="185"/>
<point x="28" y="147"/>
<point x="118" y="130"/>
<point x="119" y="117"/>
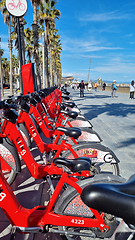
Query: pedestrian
<point x="81" y="87"/>
<point x="73" y="86"/>
<point x="104" y="86"/>
<point x="95" y="86"/>
<point x="114" y="89"/>
<point x="132" y="89"/>
<point x="89" y="86"/>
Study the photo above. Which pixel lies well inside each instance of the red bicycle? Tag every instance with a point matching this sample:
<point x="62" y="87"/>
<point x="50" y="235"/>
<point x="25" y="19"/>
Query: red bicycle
<point x="65" y="214"/>
<point x="52" y="105"/>
<point x="103" y="159"/>
<point x="87" y="134"/>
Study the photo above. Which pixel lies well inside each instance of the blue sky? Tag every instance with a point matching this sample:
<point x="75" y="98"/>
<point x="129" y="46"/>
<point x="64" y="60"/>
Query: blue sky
<point x="102" y="31"/>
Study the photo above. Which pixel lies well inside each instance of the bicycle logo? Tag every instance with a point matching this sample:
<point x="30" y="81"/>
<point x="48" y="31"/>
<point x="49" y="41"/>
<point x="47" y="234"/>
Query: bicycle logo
<point x="16" y="7"/>
<point x="21" y="6"/>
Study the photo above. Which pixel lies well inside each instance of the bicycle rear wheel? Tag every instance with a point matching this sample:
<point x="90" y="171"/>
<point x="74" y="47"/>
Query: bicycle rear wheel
<point x="70" y="203"/>
<point x="102" y="158"/>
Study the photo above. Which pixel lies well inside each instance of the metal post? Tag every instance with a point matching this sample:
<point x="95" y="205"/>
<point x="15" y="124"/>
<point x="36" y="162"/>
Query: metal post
<point x="89" y="71"/>
<point x="20" y="53"/>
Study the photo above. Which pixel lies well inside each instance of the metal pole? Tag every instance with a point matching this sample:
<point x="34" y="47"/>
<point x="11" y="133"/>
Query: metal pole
<point x="89" y="71"/>
<point x="1" y="85"/>
<point x="20" y="53"/>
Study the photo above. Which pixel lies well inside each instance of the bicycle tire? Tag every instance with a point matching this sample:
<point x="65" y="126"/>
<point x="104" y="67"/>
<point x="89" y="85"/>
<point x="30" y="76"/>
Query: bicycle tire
<point x="80" y="122"/>
<point x="25" y="134"/>
<point x="10" y="162"/>
<point x="98" y="154"/>
<point x="70" y="203"/>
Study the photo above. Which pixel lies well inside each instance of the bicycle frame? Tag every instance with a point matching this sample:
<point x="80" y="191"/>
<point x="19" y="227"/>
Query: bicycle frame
<point x="40" y="216"/>
<point x="36" y="170"/>
<point x="25" y="118"/>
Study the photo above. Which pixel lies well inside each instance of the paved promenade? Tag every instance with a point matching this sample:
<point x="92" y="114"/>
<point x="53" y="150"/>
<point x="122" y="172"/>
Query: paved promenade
<point x="113" y="119"/>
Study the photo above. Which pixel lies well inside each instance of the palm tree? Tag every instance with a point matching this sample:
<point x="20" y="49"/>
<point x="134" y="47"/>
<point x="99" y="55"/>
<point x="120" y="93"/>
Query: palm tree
<point x="7" y="19"/>
<point x="29" y="43"/>
<point x="1" y="82"/>
<point x="47" y="14"/>
<point x="5" y="68"/>
<point x="15" y="66"/>
<point x="35" y="38"/>
<point x="56" y="51"/>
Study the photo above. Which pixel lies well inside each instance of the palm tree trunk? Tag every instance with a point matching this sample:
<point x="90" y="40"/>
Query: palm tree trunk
<point x="22" y="40"/>
<point x="10" y="50"/>
<point x="46" y="57"/>
<point x="35" y="37"/>
<point x="51" y="73"/>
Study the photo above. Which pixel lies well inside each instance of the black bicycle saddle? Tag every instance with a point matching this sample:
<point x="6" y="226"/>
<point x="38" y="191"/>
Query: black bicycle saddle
<point x="115" y="199"/>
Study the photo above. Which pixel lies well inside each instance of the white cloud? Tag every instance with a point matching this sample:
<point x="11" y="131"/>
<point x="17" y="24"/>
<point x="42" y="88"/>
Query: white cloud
<point x="102" y="17"/>
<point x="116" y="66"/>
<point x="81" y="45"/>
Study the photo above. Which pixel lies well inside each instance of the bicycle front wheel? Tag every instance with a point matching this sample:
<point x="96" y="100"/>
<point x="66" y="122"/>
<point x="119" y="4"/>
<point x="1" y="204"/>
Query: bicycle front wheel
<point x="70" y="203"/>
<point x="10" y="163"/>
<point x="102" y="158"/>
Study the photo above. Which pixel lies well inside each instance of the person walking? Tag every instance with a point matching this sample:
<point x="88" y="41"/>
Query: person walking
<point x="89" y="86"/>
<point x="132" y="89"/>
<point x="95" y="86"/>
<point x="103" y="86"/>
<point x="114" y="89"/>
<point x="81" y="87"/>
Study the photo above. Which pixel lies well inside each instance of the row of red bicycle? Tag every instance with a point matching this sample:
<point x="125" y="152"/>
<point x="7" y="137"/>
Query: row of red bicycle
<point x="73" y="160"/>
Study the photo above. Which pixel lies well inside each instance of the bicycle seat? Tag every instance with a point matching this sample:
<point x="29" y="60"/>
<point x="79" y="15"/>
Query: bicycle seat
<point x="71" y="132"/>
<point x="36" y="96"/>
<point x="71" y="114"/>
<point x="75" y="165"/>
<point x="65" y="97"/>
<point x="115" y="199"/>
<point x="69" y="104"/>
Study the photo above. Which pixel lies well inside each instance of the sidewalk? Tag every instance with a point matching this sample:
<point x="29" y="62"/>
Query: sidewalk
<point x="113" y="119"/>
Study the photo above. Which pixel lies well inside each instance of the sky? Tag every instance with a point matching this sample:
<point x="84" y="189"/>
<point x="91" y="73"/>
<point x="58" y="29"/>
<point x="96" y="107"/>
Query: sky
<point x="97" y="37"/>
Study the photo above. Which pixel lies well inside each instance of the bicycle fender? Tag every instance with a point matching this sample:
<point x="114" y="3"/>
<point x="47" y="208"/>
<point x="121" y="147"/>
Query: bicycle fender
<point x="70" y="192"/>
<point x="10" y="148"/>
<point x="95" y="151"/>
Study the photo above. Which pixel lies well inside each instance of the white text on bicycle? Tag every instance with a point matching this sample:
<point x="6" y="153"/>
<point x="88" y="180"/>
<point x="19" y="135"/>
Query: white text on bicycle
<point x="2" y="196"/>
<point x="77" y="221"/>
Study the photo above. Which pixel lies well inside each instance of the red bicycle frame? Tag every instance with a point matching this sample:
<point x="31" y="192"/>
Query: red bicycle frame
<point x="46" y="131"/>
<point x="40" y="216"/>
<point x="36" y="170"/>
